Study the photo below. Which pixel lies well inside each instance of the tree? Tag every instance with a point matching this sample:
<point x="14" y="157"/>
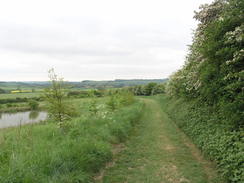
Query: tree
<point x="112" y="102"/>
<point x="33" y="104"/>
<point x="148" y="89"/>
<point x="58" y="108"/>
<point x="158" y="89"/>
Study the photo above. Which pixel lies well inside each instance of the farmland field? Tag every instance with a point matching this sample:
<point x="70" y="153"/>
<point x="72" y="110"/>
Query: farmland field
<point x="20" y="95"/>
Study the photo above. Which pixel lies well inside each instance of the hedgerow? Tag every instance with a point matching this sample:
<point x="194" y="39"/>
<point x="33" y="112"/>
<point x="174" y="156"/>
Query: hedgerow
<point x="208" y="130"/>
<point x="212" y="77"/>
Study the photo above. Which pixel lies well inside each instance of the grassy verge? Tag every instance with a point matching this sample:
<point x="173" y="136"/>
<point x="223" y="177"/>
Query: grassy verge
<point x="44" y="153"/>
<point x="209" y="132"/>
<point x="159" y="152"/>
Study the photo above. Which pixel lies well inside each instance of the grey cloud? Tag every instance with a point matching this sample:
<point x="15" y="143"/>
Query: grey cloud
<point x="139" y="39"/>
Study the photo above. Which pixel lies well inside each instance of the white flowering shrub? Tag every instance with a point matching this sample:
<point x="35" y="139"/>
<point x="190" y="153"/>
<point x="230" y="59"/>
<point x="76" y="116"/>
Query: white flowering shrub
<point x="213" y="74"/>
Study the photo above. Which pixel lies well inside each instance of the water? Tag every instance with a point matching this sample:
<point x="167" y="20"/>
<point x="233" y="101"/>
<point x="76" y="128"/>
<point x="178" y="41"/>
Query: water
<point x="21" y="118"/>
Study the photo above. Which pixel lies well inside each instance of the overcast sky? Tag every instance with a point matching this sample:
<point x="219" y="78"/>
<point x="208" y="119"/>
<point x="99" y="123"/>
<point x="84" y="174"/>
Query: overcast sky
<point x="94" y="39"/>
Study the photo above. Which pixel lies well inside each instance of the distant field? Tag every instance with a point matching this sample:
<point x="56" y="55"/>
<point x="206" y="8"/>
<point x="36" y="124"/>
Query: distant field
<point x="20" y="95"/>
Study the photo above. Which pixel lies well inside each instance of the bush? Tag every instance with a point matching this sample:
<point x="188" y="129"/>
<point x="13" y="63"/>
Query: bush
<point x="113" y="102"/>
<point x="93" y="106"/>
<point x="33" y="104"/>
<point x="9" y="105"/>
<point x="147" y="90"/>
<point x="213" y="71"/>
<point x="78" y="94"/>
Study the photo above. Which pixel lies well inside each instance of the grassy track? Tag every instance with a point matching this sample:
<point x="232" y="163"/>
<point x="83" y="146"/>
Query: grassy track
<point x="158" y="152"/>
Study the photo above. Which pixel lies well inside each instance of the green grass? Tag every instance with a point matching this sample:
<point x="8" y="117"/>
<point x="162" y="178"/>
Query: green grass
<point x="154" y="150"/>
<point x="44" y="153"/>
<point x="158" y="152"/>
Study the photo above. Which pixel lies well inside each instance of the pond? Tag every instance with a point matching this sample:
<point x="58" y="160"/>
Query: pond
<point x="21" y="118"/>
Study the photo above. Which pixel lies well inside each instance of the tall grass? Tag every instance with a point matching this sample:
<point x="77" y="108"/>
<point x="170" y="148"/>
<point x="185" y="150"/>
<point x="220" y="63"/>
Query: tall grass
<point x="44" y="152"/>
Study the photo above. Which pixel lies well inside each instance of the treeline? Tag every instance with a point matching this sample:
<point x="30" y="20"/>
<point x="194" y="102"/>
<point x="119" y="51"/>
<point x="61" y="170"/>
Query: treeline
<point x="148" y="90"/>
<point x="6" y="87"/>
<point x="118" y="83"/>
<point x="19" y="100"/>
<point x="139" y="90"/>
<point x="86" y="93"/>
<point x="213" y="79"/>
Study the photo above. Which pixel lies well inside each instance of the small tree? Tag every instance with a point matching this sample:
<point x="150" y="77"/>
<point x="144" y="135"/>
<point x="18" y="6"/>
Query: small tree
<point x="33" y="104"/>
<point x="125" y="97"/>
<point x="149" y="88"/>
<point x="112" y="103"/>
<point x="55" y="95"/>
<point x="93" y="107"/>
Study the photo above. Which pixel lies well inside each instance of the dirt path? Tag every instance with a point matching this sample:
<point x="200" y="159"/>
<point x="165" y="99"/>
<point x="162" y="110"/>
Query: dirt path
<point x="158" y="152"/>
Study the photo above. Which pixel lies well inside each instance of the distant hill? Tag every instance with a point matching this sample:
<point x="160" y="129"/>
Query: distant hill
<point x="22" y="85"/>
<point x="118" y="83"/>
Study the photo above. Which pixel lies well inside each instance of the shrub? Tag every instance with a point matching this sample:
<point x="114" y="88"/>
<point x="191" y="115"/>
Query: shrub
<point x="33" y="104"/>
<point x="112" y="103"/>
<point x="9" y="105"/>
<point x="58" y="108"/>
<point x="93" y="106"/>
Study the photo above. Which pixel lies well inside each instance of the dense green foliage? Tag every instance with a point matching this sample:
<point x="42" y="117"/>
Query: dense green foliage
<point x="213" y="72"/>
<point x="86" y="93"/>
<point x="148" y="89"/>
<point x="216" y="141"/>
<point x="33" y="104"/>
<point x="45" y="153"/>
<point x="118" y="98"/>
<point x="212" y="81"/>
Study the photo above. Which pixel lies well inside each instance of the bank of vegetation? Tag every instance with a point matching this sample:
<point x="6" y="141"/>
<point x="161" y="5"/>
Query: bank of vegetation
<point x="207" y="94"/>
<point x="74" y="144"/>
